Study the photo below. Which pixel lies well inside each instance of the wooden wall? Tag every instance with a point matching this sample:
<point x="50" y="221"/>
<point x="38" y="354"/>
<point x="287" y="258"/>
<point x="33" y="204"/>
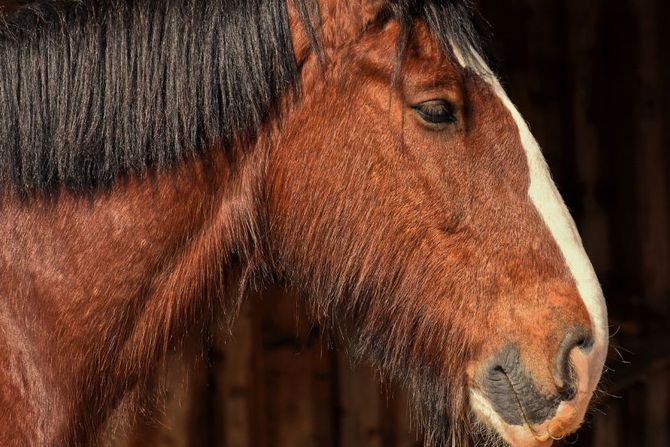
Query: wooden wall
<point x="593" y="79"/>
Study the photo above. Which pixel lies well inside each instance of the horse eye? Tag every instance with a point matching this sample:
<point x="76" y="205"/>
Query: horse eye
<point x="436" y="111"/>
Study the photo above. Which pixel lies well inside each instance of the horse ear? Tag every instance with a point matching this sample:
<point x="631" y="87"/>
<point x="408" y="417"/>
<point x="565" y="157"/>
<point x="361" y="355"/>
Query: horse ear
<point x="369" y="9"/>
<point x="343" y="20"/>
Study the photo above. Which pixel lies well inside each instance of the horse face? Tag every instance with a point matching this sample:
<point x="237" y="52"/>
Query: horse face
<point x="415" y="208"/>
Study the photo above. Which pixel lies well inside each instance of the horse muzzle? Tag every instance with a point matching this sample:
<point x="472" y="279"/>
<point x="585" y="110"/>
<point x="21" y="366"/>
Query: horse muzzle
<point x="507" y="396"/>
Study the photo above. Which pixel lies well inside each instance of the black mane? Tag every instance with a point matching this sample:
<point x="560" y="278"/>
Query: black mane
<point x="94" y="89"/>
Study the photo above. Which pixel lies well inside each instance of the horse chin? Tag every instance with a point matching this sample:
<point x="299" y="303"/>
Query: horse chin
<point x="498" y="432"/>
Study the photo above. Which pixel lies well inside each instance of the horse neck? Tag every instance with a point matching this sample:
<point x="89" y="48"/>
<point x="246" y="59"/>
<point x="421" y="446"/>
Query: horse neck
<point x="117" y="280"/>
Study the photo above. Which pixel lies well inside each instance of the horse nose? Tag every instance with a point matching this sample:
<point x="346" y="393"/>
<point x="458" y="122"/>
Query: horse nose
<point x="519" y="396"/>
<point x="576" y="339"/>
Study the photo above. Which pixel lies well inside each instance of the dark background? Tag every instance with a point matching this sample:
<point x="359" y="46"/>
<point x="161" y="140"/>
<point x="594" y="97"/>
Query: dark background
<point x="593" y="79"/>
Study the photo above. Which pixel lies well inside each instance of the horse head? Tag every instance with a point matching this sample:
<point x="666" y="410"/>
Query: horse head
<point x="408" y="199"/>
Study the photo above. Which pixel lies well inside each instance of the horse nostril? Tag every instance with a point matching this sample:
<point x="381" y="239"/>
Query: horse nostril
<point x="576" y="338"/>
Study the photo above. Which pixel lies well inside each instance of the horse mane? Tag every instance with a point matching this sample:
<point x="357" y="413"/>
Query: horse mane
<point x="92" y="90"/>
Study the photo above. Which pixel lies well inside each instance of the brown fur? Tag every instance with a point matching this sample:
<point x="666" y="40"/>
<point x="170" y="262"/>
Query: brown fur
<point x="421" y="246"/>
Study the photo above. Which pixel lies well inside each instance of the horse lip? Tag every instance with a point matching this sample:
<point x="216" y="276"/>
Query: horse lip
<point x="513" y="392"/>
<point x="513" y="435"/>
<point x="541" y="438"/>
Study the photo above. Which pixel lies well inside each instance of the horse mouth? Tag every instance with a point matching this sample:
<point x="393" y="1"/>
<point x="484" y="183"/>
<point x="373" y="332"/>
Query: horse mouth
<point x="493" y="427"/>
<point x="522" y="433"/>
<point x="541" y="438"/>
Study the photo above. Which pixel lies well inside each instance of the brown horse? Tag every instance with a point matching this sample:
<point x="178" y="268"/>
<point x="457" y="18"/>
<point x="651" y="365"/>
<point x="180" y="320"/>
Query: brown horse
<point x="158" y="158"/>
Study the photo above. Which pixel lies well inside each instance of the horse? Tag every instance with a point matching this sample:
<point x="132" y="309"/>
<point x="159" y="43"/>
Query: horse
<point x="161" y="158"/>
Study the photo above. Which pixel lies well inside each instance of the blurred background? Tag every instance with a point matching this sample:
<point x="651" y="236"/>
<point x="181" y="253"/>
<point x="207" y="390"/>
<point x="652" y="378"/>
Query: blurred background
<point x="593" y="79"/>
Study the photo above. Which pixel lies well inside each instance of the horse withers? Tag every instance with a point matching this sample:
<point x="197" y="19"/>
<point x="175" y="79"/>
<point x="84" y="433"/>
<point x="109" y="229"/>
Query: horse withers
<point x="159" y="158"/>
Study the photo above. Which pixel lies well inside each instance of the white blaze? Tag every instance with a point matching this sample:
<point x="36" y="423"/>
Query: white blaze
<point x="549" y="204"/>
<point x="547" y="200"/>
